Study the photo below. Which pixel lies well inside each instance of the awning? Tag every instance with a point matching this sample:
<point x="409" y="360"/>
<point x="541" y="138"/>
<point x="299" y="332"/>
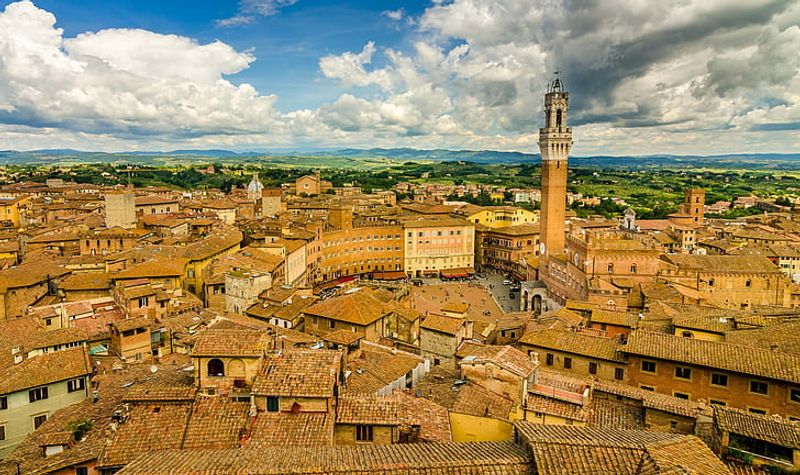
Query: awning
<point x="346" y="279"/>
<point x="457" y="273"/>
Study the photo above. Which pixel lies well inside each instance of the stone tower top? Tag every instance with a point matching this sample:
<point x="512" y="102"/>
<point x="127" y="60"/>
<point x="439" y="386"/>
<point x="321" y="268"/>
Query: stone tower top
<point x="555" y="138"/>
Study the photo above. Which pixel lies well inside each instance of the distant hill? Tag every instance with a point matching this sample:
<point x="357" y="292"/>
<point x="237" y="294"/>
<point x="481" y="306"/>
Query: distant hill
<point x="375" y="156"/>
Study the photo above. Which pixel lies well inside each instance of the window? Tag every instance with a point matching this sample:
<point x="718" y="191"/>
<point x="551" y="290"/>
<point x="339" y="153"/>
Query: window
<point x="81" y="471"/>
<point x="687" y="334"/>
<point x="3" y="403"/>
<point x="568" y="363"/>
<point x="794" y="395"/>
<point x="649" y="366"/>
<point x="717" y="402"/>
<point x="680" y="395"/>
<point x="332" y="324"/>
<point x="363" y="433"/>
<point x="272" y="404"/>
<point x="75" y="385"/>
<point x="633" y="268"/>
<point x="39" y="420"/>
<point x="756" y="410"/>
<point x="610" y="268"/>
<point x="647" y="388"/>
<point x="2" y="432"/>
<point x="683" y="372"/>
<point x="619" y="374"/>
<point x="718" y="379"/>
<point x="144" y="301"/>
<point x="747" y="283"/>
<point x="759" y="387"/>
<point x="216" y="367"/>
<point x="673" y="425"/>
<point x="37" y="394"/>
<point x="549" y="359"/>
<point x="592" y="368"/>
<point x="711" y="282"/>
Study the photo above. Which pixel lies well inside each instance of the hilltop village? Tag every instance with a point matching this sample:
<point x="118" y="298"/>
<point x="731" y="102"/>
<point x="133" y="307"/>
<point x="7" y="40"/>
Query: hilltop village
<point x="317" y="329"/>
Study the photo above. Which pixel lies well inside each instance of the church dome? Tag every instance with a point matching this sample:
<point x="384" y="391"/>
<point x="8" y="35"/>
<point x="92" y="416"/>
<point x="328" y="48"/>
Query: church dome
<point x="255" y="185"/>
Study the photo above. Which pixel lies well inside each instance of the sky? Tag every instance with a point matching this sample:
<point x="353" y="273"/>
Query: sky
<point x="645" y="77"/>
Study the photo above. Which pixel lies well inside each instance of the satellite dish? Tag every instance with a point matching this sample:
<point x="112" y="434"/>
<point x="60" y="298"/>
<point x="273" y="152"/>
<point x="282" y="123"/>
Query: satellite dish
<point x="153" y="368"/>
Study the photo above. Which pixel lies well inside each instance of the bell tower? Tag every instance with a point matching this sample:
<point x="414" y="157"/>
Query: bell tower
<point x="555" y="142"/>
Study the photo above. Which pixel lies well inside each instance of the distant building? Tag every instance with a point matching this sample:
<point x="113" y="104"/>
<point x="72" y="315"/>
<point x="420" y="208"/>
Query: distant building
<point x="311" y="185"/>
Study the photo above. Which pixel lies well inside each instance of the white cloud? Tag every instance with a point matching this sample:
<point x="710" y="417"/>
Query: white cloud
<point x="250" y="10"/>
<point x="395" y="15"/>
<point x="124" y="81"/>
<point x="349" y="68"/>
<point x="644" y="77"/>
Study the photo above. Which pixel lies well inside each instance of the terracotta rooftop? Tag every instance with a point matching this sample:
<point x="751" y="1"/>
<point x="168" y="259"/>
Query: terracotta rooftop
<point x="442" y="324"/>
<point x="25" y="275"/>
<point x="574" y="342"/>
<point x="506" y="357"/>
<point x="45" y="369"/>
<point x="243" y="343"/>
<point x="371" y="368"/>
<point x="370" y="409"/>
<point x="484" y="458"/>
<point x="149" y="427"/>
<point x="361" y="307"/>
<point x="131" y="323"/>
<point x="216" y="423"/>
<point x="270" y="430"/>
<point x="464" y="397"/>
<point x="722" y="264"/>
<point x="570" y="450"/>
<point x="773" y="429"/>
<point x="770" y="364"/>
<point x="299" y="373"/>
<point x="86" y="281"/>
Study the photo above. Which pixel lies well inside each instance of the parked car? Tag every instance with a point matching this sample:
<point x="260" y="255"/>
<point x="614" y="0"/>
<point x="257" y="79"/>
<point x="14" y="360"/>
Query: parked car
<point x="507" y="282"/>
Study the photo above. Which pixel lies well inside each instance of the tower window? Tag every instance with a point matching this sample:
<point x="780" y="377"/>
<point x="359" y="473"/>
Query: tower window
<point x="558" y="118"/>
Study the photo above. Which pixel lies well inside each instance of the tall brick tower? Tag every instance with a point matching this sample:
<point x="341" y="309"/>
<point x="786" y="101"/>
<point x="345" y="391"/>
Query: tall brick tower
<point x="555" y="142"/>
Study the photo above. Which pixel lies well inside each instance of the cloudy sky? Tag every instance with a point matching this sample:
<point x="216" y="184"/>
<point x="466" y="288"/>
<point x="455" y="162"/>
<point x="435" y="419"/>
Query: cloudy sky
<point x="683" y="76"/>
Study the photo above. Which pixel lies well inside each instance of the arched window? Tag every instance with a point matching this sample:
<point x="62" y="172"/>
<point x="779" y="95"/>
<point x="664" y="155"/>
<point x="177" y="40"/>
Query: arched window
<point x="633" y="268"/>
<point x="216" y="368"/>
<point x="558" y="118"/>
<point x="611" y="268"/>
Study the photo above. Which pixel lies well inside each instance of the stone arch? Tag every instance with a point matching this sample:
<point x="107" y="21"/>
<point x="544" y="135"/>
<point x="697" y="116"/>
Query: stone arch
<point x="216" y="367"/>
<point x="536" y="304"/>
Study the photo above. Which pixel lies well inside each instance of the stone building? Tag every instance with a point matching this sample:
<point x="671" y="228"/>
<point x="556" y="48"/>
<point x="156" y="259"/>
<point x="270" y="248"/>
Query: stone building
<point x="120" y="209"/>
<point x="739" y="282"/>
<point x="433" y="245"/>
<point x="243" y="287"/>
<point x="440" y="337"/>
<point x="32" y="389"/>
<point x="757" y="380"/>
<point x="576" y="353"/>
